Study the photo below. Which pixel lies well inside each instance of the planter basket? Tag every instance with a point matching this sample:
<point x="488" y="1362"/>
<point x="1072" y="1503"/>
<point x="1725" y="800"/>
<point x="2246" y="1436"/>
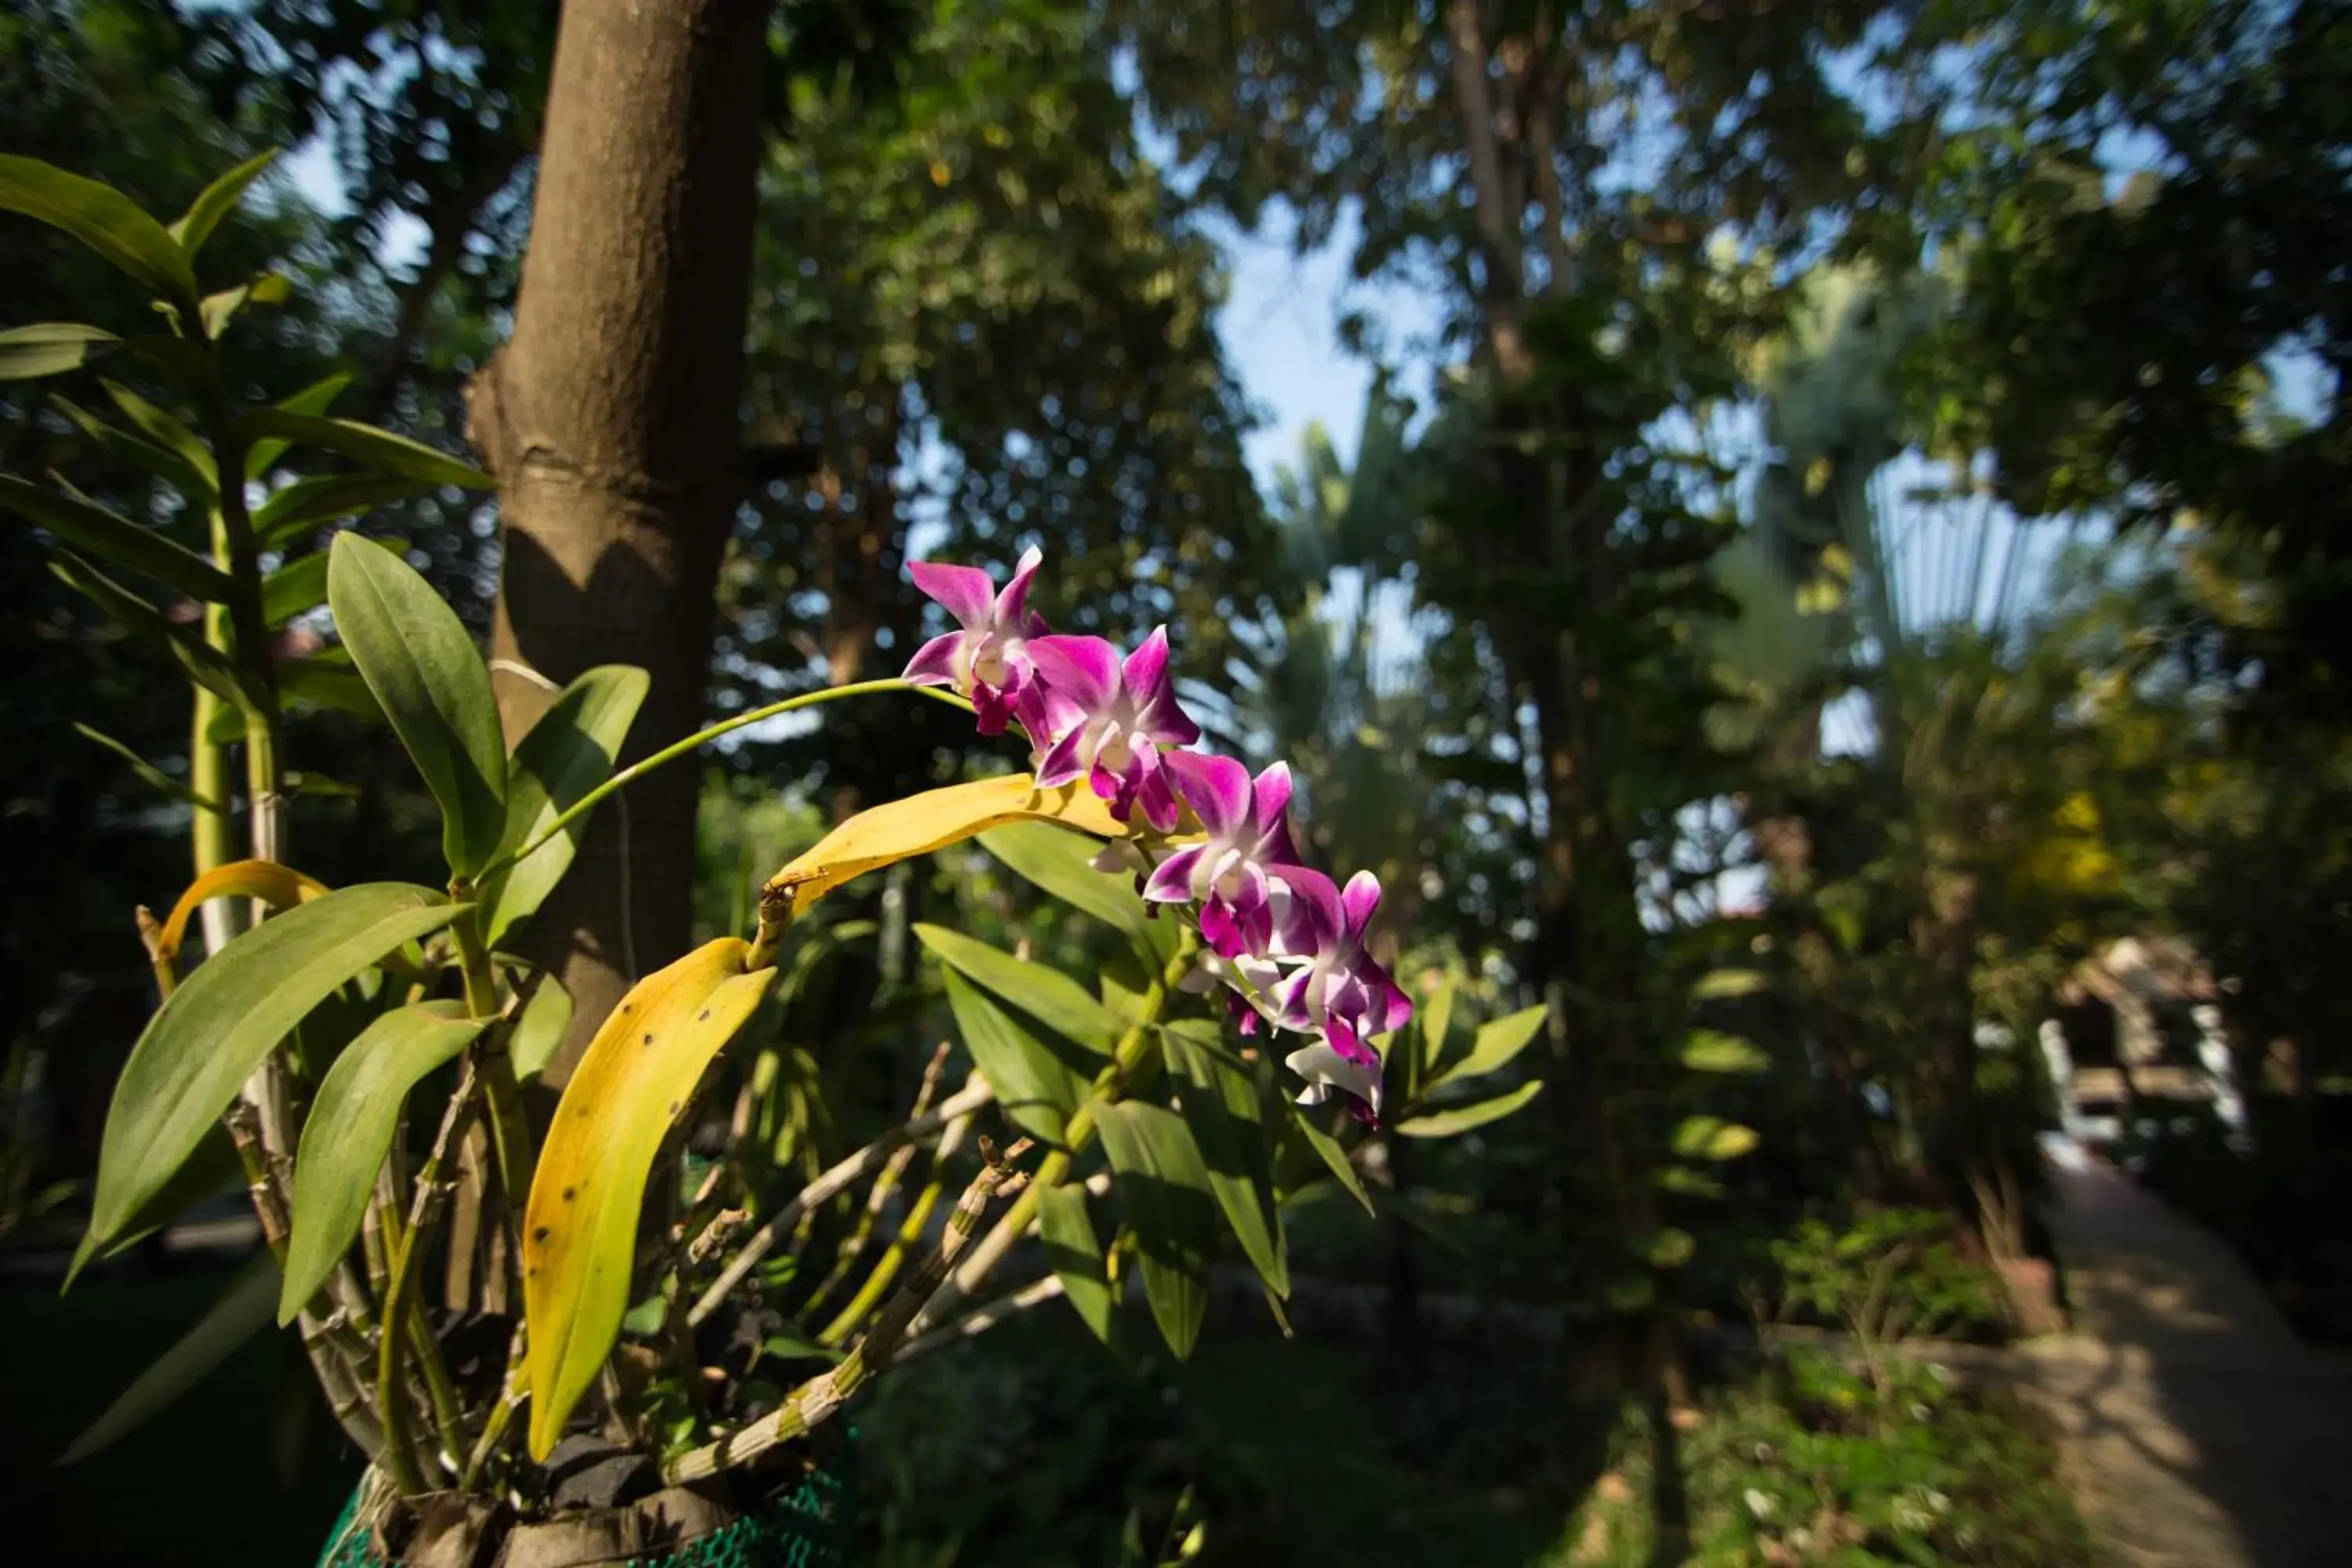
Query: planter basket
<point x="808" y="1525"/>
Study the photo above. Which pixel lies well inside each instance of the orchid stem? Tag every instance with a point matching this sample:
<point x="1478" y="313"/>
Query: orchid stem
<point x="670" y="754"/>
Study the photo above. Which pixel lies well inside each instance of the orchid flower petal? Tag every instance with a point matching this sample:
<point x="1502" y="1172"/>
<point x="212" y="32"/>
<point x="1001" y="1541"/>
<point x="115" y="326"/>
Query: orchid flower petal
<point x="966" y="592"/>
<point x="1084" y="669"/>
<point x="1171" y="881"/>
<point x="1146" y="671"/>
<point x="1060" y="763"/>
<point x="934" y="663"/>
<point x="1216" y="788"/>
<point x="1221" y="930"/>
<point x="1324" y="1069"/>
<point x="1269" y="798"/>
<point x="1013" y="603"/>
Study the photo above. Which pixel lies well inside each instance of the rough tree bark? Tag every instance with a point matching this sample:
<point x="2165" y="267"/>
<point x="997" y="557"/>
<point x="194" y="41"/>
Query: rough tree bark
<point x="611" y="422"/>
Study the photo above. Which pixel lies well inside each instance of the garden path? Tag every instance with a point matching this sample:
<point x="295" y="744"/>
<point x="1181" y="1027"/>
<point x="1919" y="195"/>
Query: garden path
<point x="2199" y="1431"/>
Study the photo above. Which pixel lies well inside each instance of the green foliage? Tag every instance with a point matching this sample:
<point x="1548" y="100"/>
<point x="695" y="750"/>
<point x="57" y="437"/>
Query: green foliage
<point x="1814" y="1464"/>
<point x="85" y="525"/>
<point x="1456" y="1120"/>
<point x="568" y="750"/>
<point x="215" y="1029"/>
<point x="48" y="348"/>
<point x="1049" y="996"/>
<point x="1223" y="1104"/>
<point x="216" y="201"/>
<point x="1891" y="1275"/>
<point x="1709" y="1050"/>
<point x="102" y="218"/>
<point x="1325" y="1150"/>
<point x="1075" y="1253"/>
<point x="1035" y="1084"/>
<point x="350" y="1130"/>
<point x="1497" y="1044"/>
<point x="539" y="1029"/>
<point x="423" y="668"/>
<point x="1056" y="861"/>
<point x="2118" y="341"/>
<point x="1164" y="1189"/>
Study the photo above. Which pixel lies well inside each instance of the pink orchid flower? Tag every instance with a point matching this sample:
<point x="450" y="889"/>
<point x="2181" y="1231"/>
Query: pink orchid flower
<point x="1340" y="990"/>
<point x="1233" y="875"/>
<point x="1109" y="719"/>
<point x="987" y="660"/>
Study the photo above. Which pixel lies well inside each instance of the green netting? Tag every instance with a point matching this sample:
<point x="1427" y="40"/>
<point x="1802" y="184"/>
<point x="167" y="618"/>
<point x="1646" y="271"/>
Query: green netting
<point x="808" y="1527"/>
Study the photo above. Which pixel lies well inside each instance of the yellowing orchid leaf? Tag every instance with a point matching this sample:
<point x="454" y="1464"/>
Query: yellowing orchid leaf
<point x="279" y="887"/>
<point x="933" y="820"/>
<point x="580" y="1227"/>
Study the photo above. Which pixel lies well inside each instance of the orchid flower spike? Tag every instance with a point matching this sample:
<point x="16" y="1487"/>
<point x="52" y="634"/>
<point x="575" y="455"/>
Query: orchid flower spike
<point x="1109" y="719"/>
<point x="988" y="659"/>
<point x="1233" y="875"/>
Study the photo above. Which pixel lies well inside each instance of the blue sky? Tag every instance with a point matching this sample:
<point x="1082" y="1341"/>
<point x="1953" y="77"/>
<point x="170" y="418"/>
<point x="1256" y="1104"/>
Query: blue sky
<point x="1278" y="326"/>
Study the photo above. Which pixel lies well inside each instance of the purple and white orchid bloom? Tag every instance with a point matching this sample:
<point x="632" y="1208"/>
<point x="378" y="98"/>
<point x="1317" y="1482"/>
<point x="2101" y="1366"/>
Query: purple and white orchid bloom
<point x="1234" y="873"/>
<point x="1341" y="990"/>
<point x="1109" y="718"/>
<point x="988" y="658"/>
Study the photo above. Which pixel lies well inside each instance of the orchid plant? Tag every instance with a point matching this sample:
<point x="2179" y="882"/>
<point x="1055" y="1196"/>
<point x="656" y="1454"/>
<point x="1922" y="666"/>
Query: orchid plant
<point x="713" y="1337"/>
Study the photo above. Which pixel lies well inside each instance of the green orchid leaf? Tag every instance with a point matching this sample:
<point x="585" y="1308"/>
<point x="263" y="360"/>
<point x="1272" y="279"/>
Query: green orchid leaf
<point x="419" y="660"/>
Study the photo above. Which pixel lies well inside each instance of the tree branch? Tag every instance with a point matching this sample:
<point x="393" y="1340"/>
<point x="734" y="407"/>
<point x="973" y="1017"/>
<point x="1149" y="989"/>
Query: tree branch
<point x="1506" y="272"/>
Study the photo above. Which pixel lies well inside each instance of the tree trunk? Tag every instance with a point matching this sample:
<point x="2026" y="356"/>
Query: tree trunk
<point x="1589" y="942"/>
<point x="611" y="421"/>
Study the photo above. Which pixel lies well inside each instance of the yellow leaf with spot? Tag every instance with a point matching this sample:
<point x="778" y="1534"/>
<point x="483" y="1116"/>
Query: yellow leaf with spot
<point x="280" y="887"/>
<point x="933" y="820"/>
<point x="580" y="1228"/>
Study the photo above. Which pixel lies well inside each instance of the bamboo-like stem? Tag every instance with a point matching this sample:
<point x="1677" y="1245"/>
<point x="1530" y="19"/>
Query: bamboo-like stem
<point x="399" y="1295"/>
<point x="928" y="1336"/>
<point x="493" y="1064"/>
<point x="335" y="1338"/>
<point x="974" y="1094"/>
<point x="702" y="738"/>
<point x="211" y="836"/>
<point x="239" y="630"/>
<point x="150" y="937"/>
<point x="448" y="1418"/>
<point x="885" y="1186"/>
<point x="816" y="1401"/>
<point x="245" y="639"/>
<point x="514" y="1392"/>
<point x="910" y="1234"/>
